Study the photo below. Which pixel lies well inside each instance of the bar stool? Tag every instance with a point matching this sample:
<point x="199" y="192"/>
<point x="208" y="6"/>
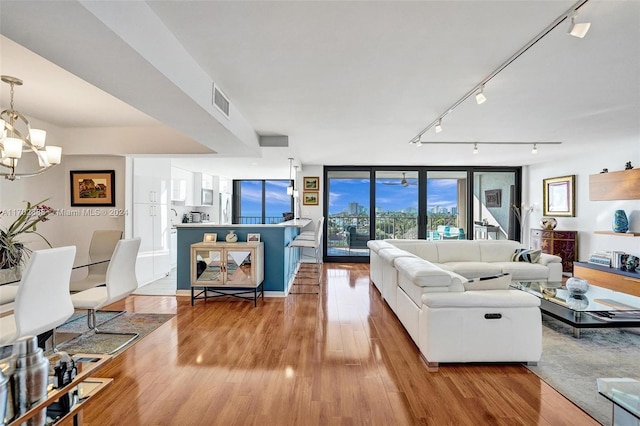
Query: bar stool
<point x="315" y="244"/>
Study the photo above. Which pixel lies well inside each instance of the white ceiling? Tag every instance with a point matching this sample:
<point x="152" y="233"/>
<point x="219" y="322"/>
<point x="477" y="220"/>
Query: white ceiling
<point x="349" y="82"/>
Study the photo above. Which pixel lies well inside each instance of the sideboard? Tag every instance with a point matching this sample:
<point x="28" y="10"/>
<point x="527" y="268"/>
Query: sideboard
<point x="611" y="278"/>
<point x="559" y="243"/>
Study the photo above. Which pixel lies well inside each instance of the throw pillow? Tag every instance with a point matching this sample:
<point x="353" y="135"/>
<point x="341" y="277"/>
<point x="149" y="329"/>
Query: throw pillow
<point x="526" y="255"/>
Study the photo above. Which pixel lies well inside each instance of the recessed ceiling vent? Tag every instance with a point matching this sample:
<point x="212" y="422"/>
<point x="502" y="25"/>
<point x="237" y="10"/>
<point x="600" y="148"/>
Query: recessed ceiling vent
<point x="220" y="101"/>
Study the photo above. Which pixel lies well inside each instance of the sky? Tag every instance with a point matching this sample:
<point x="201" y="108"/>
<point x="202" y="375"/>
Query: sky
<point x="389" y="197"/>
<point x="440" y="192"/>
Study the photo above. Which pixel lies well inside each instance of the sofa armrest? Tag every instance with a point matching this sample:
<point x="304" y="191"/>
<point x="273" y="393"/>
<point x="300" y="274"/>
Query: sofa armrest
<point x="546" y="259"/>
<point x="423" y="273"/>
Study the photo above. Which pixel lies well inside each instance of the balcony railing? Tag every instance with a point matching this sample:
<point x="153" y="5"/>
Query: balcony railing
<point x="257" y="220"/>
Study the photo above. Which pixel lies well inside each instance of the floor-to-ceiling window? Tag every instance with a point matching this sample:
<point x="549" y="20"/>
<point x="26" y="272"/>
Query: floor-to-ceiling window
<point x="348" y="219"/>
<point x="261" y="201"/>
<point x="425" y="202"/>
<point x="446" y="194"/>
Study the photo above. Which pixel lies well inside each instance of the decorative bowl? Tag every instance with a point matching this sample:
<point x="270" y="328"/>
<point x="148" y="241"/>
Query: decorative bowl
<point x="548" y="223"/>
<point x="577" y="285"/>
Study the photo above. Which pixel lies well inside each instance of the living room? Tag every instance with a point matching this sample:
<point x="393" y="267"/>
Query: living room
<point x="580" y="92"/>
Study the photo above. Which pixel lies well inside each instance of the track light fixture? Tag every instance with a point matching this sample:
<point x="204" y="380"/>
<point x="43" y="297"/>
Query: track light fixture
<point x="534" y="150"/>
<point x="576" y="29"/>
<point x="419" y="142"/>
<point x="480" y="97"/>
<point x="475" y="148"/>
<point x="439" y="126"/>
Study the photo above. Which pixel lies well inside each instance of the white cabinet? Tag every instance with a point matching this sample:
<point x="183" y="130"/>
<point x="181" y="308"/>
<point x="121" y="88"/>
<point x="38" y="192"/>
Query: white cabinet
<point x="151" y="195"/>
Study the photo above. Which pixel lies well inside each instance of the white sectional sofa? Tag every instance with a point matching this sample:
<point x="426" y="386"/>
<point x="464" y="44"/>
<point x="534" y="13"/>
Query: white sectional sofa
<point x="435" y="290"/>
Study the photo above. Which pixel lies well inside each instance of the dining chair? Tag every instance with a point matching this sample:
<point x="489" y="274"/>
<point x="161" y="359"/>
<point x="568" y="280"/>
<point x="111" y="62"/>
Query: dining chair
<point x="120" y="282"/>
<point x="42" y="300"/>
<point x="103" y="242"/>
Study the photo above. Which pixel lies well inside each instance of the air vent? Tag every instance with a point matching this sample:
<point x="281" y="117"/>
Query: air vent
<point x="221" y="101"/>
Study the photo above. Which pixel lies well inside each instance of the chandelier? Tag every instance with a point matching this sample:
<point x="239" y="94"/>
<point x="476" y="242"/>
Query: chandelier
<point x="18" y="137"/>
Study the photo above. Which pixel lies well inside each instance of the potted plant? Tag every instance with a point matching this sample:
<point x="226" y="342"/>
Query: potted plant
<point x="13" y="253"/>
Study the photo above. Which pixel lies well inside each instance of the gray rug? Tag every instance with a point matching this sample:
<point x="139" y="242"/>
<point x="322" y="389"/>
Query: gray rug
<point x="571" y="366"/>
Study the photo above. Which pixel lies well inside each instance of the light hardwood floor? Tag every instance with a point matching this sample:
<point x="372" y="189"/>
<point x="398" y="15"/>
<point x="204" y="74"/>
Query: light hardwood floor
<point x="337" y="358"/>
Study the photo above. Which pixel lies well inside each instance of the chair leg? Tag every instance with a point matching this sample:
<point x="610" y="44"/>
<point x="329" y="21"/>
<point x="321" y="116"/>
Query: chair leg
<point x="91" y="322"/>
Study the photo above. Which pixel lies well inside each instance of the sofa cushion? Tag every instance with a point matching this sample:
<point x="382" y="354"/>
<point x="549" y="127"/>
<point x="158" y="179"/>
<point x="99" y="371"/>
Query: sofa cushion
<point x="473" y="269"/>
<point x="422" y="273"/>
<point x="524" y="271"/>
<point x="497" y="250"/>
<point x="526" y="255"/>
<point x="421" y="248"/>
<point x="496" y="282"/>
<point x="458" y="251"/>
<point x="474" y="299"/>
<point x="377" y="245"/>
<point x="390" y="255"/>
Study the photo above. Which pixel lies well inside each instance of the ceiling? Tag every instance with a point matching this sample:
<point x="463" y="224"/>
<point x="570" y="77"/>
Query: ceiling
<point x="349" y="83"/>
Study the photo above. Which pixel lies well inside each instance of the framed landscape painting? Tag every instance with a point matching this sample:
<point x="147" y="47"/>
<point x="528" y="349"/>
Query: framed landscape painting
<point x="310" y="198"/>
<point x="93" y="188"/>
<point x="559" y="198"/>
<point x="311" y="184"/>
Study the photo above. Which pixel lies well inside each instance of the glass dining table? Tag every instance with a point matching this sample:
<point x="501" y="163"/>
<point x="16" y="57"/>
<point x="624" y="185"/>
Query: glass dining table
<point x="81" y="261"/>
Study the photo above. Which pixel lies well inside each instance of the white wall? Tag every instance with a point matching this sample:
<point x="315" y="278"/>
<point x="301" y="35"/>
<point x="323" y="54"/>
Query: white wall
<point x="590" y="216"/>
<point x="66" y="228"/>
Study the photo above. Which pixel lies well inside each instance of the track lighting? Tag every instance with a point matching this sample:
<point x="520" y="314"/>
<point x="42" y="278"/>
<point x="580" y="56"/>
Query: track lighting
<point x="534" y="150"/>
<point x="480" y="97"/>
<point x="419" y="143"/>
<point x="439" y="126"/>
<point x="475" y="148"/>
<point x="578" y="29"/>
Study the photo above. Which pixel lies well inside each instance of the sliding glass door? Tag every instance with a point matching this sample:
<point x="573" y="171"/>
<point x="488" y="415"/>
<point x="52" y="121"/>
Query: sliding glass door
<point x="446" y="205"/>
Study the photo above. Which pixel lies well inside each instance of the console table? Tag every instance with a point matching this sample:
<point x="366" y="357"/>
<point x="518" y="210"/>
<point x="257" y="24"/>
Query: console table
<point x="559" y="243"/>
<point x="611" y="278"/>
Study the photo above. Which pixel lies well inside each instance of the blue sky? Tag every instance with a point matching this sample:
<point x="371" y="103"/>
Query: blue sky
<point x="440" y="192"/>
<point x="276" y="197"/>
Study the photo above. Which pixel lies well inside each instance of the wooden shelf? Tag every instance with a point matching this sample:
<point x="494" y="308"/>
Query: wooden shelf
<point x="620" y="185"/>
<point x="618" y="234"/>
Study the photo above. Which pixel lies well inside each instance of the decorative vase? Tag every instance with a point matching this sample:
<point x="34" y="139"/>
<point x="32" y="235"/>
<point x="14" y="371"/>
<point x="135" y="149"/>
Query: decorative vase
<point x="632" y="263"/>
<point x="577" y="285"/>
<point x="577" y="301"/>
<point x="548" y="223"/>
<point x="231" y="237"/>
<point x="620" y="221"/>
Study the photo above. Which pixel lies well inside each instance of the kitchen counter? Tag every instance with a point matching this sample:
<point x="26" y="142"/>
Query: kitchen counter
<point x="279" y="260"/>
<point x="295" y="223"/>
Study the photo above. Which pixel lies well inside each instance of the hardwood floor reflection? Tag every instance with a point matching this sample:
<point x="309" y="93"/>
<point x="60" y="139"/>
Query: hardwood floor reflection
<point x="337" y="358"/>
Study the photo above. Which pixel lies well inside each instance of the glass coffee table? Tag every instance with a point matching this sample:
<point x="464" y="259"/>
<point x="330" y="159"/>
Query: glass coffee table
<point x="625" y="395"/>
<point x="597" y="308"/>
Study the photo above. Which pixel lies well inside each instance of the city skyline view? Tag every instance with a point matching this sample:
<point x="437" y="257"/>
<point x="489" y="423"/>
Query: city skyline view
<point x="441" y="193"/>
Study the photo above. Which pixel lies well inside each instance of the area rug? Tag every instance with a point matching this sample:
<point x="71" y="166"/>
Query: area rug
<point x="571" y="366"/>
<point x="89" y="342"/>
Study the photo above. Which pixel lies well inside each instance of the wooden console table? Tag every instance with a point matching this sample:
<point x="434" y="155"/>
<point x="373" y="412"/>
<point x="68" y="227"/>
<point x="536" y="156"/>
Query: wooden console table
<point x="559" y="243"/>
<point x="611" y="278"/>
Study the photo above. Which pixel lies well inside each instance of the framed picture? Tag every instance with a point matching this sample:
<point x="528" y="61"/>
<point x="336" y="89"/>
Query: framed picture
<point x="93" y="187"/>
<point x="253" y="238"/>
<point x="310" y="198"/>
<point x="311" y="184"/>
<point x="210" y="238"/>
<point x="559" y="196"/>
<point x="493" y="198"/>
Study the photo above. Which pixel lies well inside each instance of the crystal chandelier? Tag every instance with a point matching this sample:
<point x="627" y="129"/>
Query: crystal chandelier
<point x="17" y="137"/>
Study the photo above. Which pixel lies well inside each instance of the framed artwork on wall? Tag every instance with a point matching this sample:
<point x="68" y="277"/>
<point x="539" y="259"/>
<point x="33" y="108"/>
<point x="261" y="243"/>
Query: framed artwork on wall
<point x="493" y="198"/>
<point x="93" y="188"/>
<point x="310" y="198"/>
<point x="559" y="196"/>
<point x="311" y="184"/>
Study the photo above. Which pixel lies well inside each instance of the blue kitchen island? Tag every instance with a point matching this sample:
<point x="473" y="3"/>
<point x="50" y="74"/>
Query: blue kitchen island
<point x="280" y="262"/>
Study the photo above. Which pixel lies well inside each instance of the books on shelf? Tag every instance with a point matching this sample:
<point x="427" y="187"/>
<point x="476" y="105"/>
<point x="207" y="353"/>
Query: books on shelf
<point x="601" y="258"/>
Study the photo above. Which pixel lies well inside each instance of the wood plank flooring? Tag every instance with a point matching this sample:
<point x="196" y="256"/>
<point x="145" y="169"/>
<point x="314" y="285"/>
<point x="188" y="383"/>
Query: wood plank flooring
<point x="340" y="357"/>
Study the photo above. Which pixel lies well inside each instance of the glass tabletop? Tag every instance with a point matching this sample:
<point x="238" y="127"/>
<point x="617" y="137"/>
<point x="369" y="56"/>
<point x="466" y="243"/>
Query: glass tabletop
<point x="623" y="392"/>
<point x="81" y="261"/>
<point x="596" y="299"/>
